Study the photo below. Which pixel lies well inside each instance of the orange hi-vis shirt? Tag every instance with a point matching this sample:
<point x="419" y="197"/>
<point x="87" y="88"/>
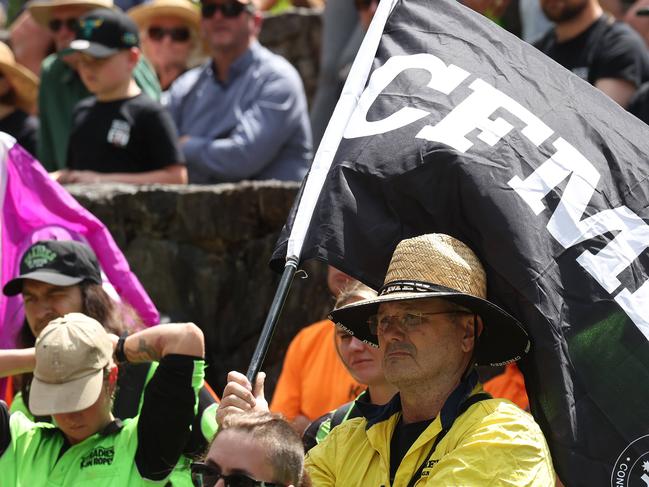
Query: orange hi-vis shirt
<point x="509" y="385"/>
<point x="313" y="381"/>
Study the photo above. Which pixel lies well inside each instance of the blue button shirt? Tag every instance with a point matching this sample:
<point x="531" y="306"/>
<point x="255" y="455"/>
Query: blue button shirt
<point x="254" y="126"/>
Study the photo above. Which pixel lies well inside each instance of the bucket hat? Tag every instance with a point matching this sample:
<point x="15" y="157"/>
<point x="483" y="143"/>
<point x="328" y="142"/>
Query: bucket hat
<point x="23" y="81"/>
<point x="184" y="10"/>
<point x="41" y="9"/>
<point x="440" y="266"/>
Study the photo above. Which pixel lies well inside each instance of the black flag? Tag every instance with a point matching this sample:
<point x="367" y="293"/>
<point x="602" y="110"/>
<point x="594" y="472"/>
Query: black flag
<point x="464" y="129"/>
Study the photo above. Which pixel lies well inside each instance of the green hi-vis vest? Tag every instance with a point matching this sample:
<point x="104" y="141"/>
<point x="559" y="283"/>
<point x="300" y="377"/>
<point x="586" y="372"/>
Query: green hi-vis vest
<point x="33" y="458"/>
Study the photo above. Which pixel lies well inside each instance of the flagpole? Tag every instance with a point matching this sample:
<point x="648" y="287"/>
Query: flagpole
<point x="271" y="319"/>
<point x="352" y="91"/>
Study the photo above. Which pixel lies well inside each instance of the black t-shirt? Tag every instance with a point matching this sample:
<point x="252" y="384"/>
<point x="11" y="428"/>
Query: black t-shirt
<point x="403" y="437"/>
<point x="607" y="49"/>
<point x="131" y="135"/>
<point x="23" y="127"/>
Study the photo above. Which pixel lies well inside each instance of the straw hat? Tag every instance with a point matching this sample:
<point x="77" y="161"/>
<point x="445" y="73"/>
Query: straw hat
<point x="41" y="9"/>
<point x="440" y="266"/>
<point x="23" y="81"/>
<point x="185" y="10"/>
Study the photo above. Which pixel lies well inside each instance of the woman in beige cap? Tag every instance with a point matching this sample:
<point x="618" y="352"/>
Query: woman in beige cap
<point x="18" y="91"/>
<point x="169" y="32"/>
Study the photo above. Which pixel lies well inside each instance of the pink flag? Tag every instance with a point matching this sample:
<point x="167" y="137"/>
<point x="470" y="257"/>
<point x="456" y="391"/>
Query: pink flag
<point x="34" y="207"/>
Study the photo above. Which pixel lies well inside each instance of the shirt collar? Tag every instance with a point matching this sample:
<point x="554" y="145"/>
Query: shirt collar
<point x="240" y="65"/>
<point x="375" y="414"/>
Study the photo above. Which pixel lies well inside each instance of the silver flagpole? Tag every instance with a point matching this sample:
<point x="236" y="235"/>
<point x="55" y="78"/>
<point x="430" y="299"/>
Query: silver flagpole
<point x="315" y="179"/>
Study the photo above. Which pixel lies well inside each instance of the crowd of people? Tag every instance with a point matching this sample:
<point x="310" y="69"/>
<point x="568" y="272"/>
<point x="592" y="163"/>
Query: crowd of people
<point x="386" y="391"/>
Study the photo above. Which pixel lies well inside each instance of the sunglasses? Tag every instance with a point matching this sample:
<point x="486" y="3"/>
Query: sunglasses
<point x="205" y="475"/>
<point x="228" y="9"/>
<point x="177" y="34"/>
<point x="72" y="24"/>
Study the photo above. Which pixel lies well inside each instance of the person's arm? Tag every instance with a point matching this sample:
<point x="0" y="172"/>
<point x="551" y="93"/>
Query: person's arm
<point x="170" y="398"/>
<point x="621" y="91"/>
<point x="18" y="361"/>
<point x="261" y="131"/>
<point x="173" y="174"/>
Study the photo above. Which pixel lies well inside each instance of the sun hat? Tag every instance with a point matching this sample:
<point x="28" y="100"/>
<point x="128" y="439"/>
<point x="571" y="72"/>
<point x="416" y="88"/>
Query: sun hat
<point x="57" y="262"/>
<point x="187" y="11"/>
<point x="71" y="355"/>
<point x="23" y="81"/>
<point x="41" y="9"/>
<point x="440" y="266"/>
<point x="104" y="32"/>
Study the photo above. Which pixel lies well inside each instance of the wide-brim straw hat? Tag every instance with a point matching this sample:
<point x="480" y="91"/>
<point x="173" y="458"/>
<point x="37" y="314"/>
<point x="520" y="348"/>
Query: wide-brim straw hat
<point x="23" y="81"/>
<point x="41" y="9"/>
<point x="184" y="10"/>
<point x="440" y="266"/>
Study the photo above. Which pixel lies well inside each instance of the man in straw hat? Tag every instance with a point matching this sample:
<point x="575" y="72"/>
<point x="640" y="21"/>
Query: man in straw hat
<point x="169" y="34"/>
<point x="18" y="90"/>
<point x="75" y="374"/>
<point x="433" y="322"/>
<point x="61" y="87"/>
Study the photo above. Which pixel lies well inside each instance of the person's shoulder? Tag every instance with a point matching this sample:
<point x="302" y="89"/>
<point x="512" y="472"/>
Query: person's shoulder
<point x="52" y="66"/>
<point x="620" y="34"/>
<point x="274" y="65"/>
<point x="545" y="40"/>
<point x="186" y="81"/>
<point x="504" y="416"/>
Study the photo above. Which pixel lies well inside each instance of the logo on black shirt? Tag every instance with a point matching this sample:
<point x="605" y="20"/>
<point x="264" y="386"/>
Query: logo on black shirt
<point x="98" y="456"/>
<point x="119" y="133"/>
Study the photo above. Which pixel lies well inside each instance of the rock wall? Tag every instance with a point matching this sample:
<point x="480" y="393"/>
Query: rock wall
<point x="202" y="254"/>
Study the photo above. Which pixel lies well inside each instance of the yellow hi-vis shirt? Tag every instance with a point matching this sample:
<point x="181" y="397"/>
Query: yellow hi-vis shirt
<point x="492" y="443"/>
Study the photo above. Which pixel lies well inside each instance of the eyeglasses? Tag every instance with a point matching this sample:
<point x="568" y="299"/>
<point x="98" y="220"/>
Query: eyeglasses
<point x="205" y="475"/>
<point x="407" y="321"/>
<point x="228" y="9"/>
<point x="177" y="34"/>
<point x="72" y="24"/>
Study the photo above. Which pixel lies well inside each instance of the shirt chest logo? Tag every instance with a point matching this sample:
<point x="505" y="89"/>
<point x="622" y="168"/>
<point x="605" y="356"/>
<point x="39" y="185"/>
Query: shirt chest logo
<point x="98" y="456"/>
<point x="119" y="133"/>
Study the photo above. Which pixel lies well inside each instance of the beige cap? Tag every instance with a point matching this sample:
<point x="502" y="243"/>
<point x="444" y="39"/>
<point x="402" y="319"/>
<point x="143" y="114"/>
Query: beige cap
<point x="41" y="9"/>
<point x="71" y="354"/>
<point x="23" y="81"/>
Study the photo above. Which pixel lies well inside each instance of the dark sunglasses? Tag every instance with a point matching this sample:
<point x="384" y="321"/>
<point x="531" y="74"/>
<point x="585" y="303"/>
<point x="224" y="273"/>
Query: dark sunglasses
<point x="177" y="34"/>
<point x="204" y="475"/>
<point x="72" y="24"/>
<point x="228" y="9"/>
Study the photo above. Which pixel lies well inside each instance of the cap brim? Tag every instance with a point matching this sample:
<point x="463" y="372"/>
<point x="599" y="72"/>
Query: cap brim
<point x="503" y="339"/>
<point x="46" y="399"/>
<point x="15" y="286"/>
<point x="92" y="48"/>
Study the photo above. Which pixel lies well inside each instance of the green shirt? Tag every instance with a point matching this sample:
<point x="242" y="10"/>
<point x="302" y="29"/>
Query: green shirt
<point x="60" y="90"/>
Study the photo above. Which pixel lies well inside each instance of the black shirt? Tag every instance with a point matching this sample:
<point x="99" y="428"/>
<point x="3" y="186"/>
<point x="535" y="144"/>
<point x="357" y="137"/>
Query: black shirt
<point x="22" y="127"/>
<point x="607" y="49"/>
<point x="131" y="135"/>
<point x="403" y="437"/>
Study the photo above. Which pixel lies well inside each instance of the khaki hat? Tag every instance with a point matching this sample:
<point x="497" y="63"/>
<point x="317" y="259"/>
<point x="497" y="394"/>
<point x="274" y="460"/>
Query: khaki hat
<point x="71" y="355"/>
<point x="42" y="9"/>
<point x="440" y="266"/>
<point x="187" y="11"/>
<point x="23" y="81"/>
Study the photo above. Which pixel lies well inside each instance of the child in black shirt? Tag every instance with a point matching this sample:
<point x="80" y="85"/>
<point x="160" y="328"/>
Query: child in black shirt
<point x="119" y="134"/>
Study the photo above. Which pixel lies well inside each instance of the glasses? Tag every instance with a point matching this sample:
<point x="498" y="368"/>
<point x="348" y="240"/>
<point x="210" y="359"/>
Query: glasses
<point x="72" y="24"/>
<point x="205" y="475"/>
<point x="228" y="9"/>
<point x="407" y="321"/>
<point x="177" y="34"/>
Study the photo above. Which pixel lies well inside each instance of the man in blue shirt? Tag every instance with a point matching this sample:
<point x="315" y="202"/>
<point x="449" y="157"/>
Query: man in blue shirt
<point x="243" y="114"/>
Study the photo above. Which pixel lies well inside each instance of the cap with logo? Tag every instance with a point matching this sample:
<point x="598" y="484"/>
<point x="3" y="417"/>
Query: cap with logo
<point x="71" y="355"/>
<point x="57" y="262"/>
<point x="104" y="32"/>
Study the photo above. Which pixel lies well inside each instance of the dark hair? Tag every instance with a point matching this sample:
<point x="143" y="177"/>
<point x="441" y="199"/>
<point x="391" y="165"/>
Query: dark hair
<point x="116" y="318"/>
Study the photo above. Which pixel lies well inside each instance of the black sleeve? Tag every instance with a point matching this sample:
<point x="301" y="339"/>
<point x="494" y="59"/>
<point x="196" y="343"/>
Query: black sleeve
<point x="166" y="417"/>
<point x="197" y="443"/>
<point x="5" y="431"/>
<point x="162" y="138"/>
<point x="623" y="55"/>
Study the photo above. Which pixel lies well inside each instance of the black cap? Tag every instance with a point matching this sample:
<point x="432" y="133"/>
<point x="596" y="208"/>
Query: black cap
<point x="103" y="32"/>
<point x="57" y="262"/>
